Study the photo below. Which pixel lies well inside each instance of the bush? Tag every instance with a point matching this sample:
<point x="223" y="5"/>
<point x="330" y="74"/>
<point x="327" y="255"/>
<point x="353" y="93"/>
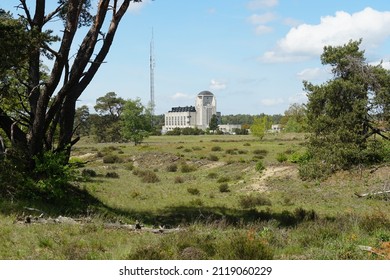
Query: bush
<point x="261" y="152"/>
<point x="185" y="168"/>
<point x="223" y="188"/>
<point x="281" y="157"/>
<point x="253" y="200"/>
<point x="172" y="168"/>
<point x="245" y="245"/>
<point x="212" y="175"/>
<point x="213" y="158"/>
<point x="52" y="174"/>
<point x="193" y="191"/>
<point x="231" y="151"/>
<point x="88" y="173"/>
<point x="216" y="149"/>
<point x="223" y="179"/>
<point x="113" y="175"/>
<point x="179" y="180"/>
<point x="259" y="166"/>
<point x="111" y="159"/>
<point x="147" y="176"/>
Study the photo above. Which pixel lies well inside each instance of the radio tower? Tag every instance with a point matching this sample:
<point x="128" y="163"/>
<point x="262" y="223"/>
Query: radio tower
<point x="152" y="64"/>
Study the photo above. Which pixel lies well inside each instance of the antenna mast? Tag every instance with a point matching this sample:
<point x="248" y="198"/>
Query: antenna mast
<point x="152" y="64"/>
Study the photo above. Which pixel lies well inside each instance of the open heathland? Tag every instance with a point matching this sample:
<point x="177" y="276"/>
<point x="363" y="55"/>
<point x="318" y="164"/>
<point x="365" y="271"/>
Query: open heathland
<point x="203" y="197"/>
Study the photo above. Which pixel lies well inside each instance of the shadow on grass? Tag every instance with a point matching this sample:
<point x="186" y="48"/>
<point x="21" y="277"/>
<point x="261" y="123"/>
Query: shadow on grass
<point x="78" y="202"/>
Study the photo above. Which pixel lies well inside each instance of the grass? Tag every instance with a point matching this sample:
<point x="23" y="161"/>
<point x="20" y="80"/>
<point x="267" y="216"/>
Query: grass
<point x="290" y="219"/>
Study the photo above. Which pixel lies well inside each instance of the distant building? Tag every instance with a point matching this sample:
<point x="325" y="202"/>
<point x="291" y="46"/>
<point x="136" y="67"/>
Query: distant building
<point x="229" y="128"/>
<point x="276" y="128"/>
<point x="190" y="116"/>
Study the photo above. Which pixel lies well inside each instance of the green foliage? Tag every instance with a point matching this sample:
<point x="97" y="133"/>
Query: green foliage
<point x="259" y="127"/>
<point x="216" y="148"/>
<point x="260" y="166"/>
<point x="213" y="125"/>
<point x="340" y="114"/>
<point x="136" y="121"/>
<point x="193" y="191"/>
<point x="295" y="119"/>
<point x="113" y="175"/>
<point x="224" y="188"/>
<point x="52" y="174"/>
<point x="254" y="200"/>
<point x="172" y="168"/>
<point x="281" y="157"/>
<point x="212" y="157"/>
<point x="147" y="176"/>
<point x="111" y="159"/>
<point x="186" y="168"/>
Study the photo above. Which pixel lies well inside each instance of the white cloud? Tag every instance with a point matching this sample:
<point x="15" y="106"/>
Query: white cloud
<point x="271" y="101"/>
<point x="305" y="40"/>
<point x="135" y="7"/>
<point x="260" y="4"/>
<point x="261" y="19"/>
<point x="298" y="98"/>
<point x="310" y="74"/>
<point x="181" y="96"/>
<point x="217" y="85"/>
<point x="292" y="22"/>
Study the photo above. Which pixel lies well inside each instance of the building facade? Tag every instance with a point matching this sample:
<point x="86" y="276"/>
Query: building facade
<point x="190" y="116"/>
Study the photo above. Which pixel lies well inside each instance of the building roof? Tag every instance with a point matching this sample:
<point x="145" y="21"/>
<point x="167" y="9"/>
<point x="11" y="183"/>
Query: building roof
<point x="205" y="93"/>
<point x="183" y="109"/>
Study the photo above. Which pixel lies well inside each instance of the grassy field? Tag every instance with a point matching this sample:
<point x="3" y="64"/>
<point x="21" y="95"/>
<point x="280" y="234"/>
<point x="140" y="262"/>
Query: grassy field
<point x="229" y="196"/>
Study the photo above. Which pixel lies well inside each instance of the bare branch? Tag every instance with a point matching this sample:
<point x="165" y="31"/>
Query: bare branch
<point x="53" y="14"/>
<point x="26" y="11"/>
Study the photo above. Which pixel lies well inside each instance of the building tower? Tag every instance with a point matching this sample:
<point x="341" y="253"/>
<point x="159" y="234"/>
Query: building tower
<point x="206" y="107"/>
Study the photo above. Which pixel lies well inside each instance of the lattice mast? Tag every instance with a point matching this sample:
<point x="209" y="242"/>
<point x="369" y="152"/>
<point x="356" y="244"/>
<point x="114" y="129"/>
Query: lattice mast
<point x="152" y="65"/>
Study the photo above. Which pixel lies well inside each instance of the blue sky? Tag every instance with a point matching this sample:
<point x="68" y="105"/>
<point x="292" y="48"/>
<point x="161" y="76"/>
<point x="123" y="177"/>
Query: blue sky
<point x="252" y="54"/>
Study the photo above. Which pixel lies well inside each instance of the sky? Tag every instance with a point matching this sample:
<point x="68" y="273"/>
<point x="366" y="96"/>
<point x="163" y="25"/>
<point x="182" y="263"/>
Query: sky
<point x="252" y="54"/>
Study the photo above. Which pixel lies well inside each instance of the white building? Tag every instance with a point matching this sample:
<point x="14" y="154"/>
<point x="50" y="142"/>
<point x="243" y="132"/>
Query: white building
<point x="190" y="116"/>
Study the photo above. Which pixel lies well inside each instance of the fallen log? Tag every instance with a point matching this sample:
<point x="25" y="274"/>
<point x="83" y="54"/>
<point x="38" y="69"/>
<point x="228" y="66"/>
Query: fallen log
<point x="371" y="194"/>
<point x="142" y="229"/>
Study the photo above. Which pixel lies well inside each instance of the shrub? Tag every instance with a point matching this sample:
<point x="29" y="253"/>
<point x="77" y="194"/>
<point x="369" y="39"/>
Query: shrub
<point x="212" y="175"/>
<point x="187" y="150"/>
<point x="185" y="168"/>
<point x="129" y="166"/>
<point x="245" y="246"/>
<point x="216" y="149"/>
<point x="196" y="202"/>
<point x="193" y="191"/>
<point x="172" y="168"/>
<point x="253" y="200"/>
<point x="147" y="176"/>
<point x="112" y="175"/>
<point x="247" y="144"/>
<point x="213" y="158"/>
<point x="197" y="148"/>
<point x="111" y="159"/>
<point x="259" y="166"/>
<point x="281" y="157"/>
<point x="262" y="152"/>
<point x="88" y="173"/>
<point x="223" y="188"/>
<point x="231" y="151"/>
<point x="223" y="179"/>
<point x="179" y="180"/>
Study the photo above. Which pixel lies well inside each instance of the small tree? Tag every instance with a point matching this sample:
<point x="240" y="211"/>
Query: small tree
<point x="345" y="112"/>
<point x="213" y="125"/>
<point x="259" y="126"/>
<point x="136" y="121"/>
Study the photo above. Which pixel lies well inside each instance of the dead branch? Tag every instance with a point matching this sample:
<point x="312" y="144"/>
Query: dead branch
<point x="371" y="194"/>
